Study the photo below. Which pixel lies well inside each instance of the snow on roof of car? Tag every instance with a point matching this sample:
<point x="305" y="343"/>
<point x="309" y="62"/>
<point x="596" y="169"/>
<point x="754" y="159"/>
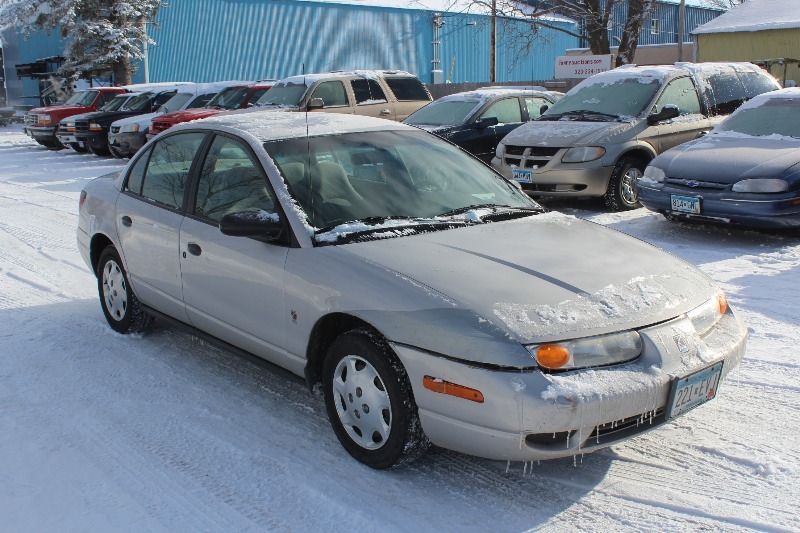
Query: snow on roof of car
<point x="145" y="87"/>
<point x="755" y="15"/>
<point x="309" y="79"/>
<point x="271" y="125"/>
<point x="484" y="93"/>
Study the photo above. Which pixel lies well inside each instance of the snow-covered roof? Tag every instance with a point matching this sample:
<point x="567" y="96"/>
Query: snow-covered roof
<point x="270" y="125"/>
<point x="484" y="93"/>
<point x="755" y="15"/>
<point x="310" y="79"/>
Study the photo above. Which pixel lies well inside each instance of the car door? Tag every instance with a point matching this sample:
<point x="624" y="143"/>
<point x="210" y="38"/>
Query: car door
<point x="334" y="97"/>
<point x="690" y="124"/>
<point x="484" y="142"/>
<point x="371" y="100"/>
<point x="533" y="104"/>
<point x="233" y="287"/>
<point x="149" y="216"/>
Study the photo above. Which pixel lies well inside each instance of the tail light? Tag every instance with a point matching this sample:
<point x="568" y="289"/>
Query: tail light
<point x="82" y="200"/>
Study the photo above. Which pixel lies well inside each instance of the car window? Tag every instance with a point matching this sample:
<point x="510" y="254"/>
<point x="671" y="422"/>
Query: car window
<point x="726" y="92"/>
<point x="168" y="168"/>
<point x="775" y="116"/>
<point x="681" y="93"/>
<point x="136" y="175"/>
<point x="231" y="181"/>
<point x="756" y="83"/>
<point x="368" y="92"/>
<point x="534" y="106"/>
<point x="162" y="98"/>
<point x="624" y="96"/>
<point x="507" y="111"/>
<point x="106" y="97"/>
<point x="256" y="96"/>
<point x="444" y="112"/>
<point x="407" y="88"/>
<point x="331" y="92"/>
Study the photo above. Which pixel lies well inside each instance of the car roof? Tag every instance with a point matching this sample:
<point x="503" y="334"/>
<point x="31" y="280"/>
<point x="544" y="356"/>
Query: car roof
<point x="270" y="125"/>
<point x="309" y="79"/>
<point x="484" y="93"/>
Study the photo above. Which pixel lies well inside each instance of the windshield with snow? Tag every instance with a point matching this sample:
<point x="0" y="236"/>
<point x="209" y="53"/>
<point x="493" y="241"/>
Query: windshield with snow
<point x="229" y="98"/>
<point x="776" y="116"/>
<point x="357" y="185"/>
<point x="444" y="113"/>
<point x="83" y="98"/>
<point x="285" y="93"/>
<point x="612" y="99"/>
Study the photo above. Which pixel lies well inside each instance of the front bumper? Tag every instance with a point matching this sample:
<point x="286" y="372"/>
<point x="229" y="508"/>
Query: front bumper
<point x="97" y="140"/>
<point x="46" y="133"/>
<point x="562" y="179"/>
<point x="530" y="415"/>
<point x="127" y="143"/>
<point x="766" y="211"/>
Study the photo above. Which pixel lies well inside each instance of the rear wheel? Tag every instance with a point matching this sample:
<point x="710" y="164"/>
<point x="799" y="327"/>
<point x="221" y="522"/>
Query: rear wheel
<point x="78" y="148"/>
<point x="51" y="144"/>
<point x="116" y="153"/>
<point x="100" y="151"/>
<point x="123" y="311"/>
<point x="621" y="194"/>
<point x="369" y="401"/>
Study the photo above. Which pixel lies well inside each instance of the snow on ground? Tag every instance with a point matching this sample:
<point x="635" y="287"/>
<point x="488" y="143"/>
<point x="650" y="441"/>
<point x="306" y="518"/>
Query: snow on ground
<point x="162" y="432"/>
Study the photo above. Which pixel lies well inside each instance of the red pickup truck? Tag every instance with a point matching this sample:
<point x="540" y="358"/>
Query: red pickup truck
<point x="41" y="123"/>
<point x="230" y="98"/>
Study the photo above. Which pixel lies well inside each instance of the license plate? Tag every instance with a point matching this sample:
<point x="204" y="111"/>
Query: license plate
<point x="685" y="204"/>
<point x="81" y="144"/>
<point x="522" y="176"/>
<point x="695" y="389"/>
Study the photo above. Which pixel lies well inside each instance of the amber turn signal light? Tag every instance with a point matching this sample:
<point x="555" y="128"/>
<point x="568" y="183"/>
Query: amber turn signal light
<point x="723" y="303"/>
<point x="552" y="356"/>
<point x="452" y="389"/>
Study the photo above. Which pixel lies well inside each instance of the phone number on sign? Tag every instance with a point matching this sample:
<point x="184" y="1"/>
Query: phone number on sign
<point x="590" y="71"/>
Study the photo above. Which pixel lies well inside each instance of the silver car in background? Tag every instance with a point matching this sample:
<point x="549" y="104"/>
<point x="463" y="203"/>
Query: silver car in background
<point x="427" y="297"/>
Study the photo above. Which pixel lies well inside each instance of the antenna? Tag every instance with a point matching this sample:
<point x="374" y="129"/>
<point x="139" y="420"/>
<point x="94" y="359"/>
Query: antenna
<point x="308" y="153"/>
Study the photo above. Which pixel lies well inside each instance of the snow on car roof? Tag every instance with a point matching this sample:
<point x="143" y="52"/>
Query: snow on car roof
<point x="271" y="125"/>
<point x="485" y="93"/>
<point x="309" y="79"/>
<point x="755" y="15"/>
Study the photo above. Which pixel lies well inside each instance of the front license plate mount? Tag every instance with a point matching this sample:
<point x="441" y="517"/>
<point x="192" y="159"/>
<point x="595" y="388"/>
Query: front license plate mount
<point x="685" y="204"/>
<point x="521" y="175"/>
<point x="693" y="390"/>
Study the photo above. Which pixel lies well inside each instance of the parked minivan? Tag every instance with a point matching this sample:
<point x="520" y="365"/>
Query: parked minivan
<point x="391" y="94"/>
<point x="598" y="139"/>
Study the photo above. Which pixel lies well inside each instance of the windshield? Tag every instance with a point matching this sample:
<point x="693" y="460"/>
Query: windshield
<point x="141" y="102"/>
<point x="83" y="98"/>
<point x="361" y="182"/>
<point x="444" y="113"/>
<point x="776" y="116"/>
<point x="114" y="104"/>
<point x="285" y="93"/>
<point x="616" y="97"/>
<point x="176" y="102"/>
<point x="229" y="98"/>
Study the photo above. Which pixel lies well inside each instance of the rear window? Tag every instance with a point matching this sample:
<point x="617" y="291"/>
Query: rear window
<point x="367" y="92"/>
<point x="405" y="89"/>
<point x="756" y="83"/>
<point x="726" y="92"/>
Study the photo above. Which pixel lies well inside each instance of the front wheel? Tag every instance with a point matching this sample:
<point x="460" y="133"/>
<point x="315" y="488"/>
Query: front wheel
<point x="369" y="401"/>
<point x="101" y="151"/>
<point x="78" y="148"/>
<point x="115" y="152"/>
<point x="123" y="311"/>
<point x="622" y="194"/>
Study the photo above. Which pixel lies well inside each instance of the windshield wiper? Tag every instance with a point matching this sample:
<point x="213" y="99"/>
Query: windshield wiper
<point x="588" y="112"/>
<point x="495" y="207"/>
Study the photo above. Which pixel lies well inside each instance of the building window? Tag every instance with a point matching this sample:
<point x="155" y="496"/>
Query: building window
<point x="655" y="26"/>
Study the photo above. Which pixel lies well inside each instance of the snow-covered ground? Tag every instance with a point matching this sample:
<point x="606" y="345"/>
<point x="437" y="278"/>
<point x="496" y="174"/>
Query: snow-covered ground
<point x="162" y="432"/>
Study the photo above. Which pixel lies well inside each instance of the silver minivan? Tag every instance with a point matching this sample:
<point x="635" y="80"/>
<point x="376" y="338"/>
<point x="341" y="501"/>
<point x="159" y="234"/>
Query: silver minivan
<point x="598" y="139"/>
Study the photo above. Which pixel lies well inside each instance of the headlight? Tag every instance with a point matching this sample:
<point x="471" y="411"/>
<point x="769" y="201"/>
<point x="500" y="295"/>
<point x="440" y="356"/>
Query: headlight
<point x="581" y="154"/>
<point x="705" y="316"/>
<point x="45" y="119"/>
<point x="654" y="174"/>
<point x="588" y="352"/>
<point x="129" y="128"/>
<point x="761" y="185"/>
<point x="68" y="126"/>
<point x="95" y="127"/>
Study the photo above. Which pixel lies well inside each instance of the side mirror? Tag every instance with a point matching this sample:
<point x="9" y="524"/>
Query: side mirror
<point x="486" y="122"/>
<point x="315" y="103"/>
<point x="669" y="111"/>
<point x="544" y="108"/>
<point x="251" y="224"/>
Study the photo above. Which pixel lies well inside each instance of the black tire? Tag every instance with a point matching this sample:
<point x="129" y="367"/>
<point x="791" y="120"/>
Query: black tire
<point x="116" y="153"/>
<point x="122" y="309"/>
<point x="101" y="151"/>
<point x="403" y="440"/>
<point x="78" y="148"/>
<point x="621" y="194"/>
<point x="50" y="144"/>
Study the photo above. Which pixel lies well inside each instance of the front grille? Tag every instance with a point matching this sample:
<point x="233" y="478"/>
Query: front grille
<point x="695" y="184"/>
<point x="81" y="127"/>
<point x="115" y="129"/>
<point x="515" y="150"/>
<point x="620" y="429"/>
<point x="533" y="157"/>
<point x="31" y="119"/>
<point x="541" y="151"/>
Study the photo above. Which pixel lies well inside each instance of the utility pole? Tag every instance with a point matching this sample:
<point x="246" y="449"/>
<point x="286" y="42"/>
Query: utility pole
<point x="493" y="44"/>
<point x="681" y="24"/>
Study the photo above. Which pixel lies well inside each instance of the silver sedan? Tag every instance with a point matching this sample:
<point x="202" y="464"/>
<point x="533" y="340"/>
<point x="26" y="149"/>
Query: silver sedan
<point x="426" y="297"/>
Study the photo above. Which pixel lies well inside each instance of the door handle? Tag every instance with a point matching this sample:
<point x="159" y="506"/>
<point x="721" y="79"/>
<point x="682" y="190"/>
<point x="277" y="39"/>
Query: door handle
<point x="194" y="249"/>
<point x="702" y="133"/>
<point x="126" y="221"/>
<point x="386" y="112"/>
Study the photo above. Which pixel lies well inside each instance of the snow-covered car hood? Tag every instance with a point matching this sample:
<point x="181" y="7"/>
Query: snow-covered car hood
<point x="727" y="158"/>
<point x="141" y="120"/>
<point x="55" y="109"/>
<point x="544" y="278"/>
<point x="564" y="133"/>
<point x="190" y="114"/>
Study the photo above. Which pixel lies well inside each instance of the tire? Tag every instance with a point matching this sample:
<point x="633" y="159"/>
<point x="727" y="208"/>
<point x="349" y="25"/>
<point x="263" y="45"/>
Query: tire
<point x="51" y="145"/>
<point x="102" y="152"/>
<point x="122" y="309"/>
<point x="78" y="148"/>
<point x="621" y="194"/>
<point x="116" y="153"/>
<point x="360" y="374"/>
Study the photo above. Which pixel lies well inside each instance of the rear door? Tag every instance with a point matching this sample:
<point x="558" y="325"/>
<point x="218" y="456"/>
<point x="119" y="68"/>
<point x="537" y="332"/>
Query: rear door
<point x="371" y="100"/>
<point x="409" y="94"/>
<point x="233" y="287"/>
<point x="149" y="216"/>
